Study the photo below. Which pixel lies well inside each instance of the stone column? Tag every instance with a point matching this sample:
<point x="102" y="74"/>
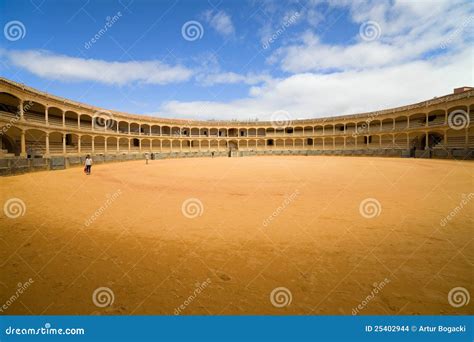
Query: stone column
<point x="64" y="143"/>
<point x="21" y="111"/>
<point x="23" y="144"/>
<point x="93" y="145"/>
<point x="79" y="144"/>
<point x="46" y="115"/>
<point x="426" y="140"/>
<point x="47" y="145"/>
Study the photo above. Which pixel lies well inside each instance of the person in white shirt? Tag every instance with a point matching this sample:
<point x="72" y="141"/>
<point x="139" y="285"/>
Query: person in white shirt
<point x="88" y="165"/>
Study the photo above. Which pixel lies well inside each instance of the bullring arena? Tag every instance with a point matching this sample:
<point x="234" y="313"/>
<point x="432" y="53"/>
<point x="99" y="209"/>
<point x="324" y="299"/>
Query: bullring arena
<point x="361" y="214"/>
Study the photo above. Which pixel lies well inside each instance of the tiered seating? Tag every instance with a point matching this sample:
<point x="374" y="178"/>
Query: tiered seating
<point x="399" y="125"/>
<point x="33" y="117"/>
<point x="453" y="142"/>
<point x="420" y="122"/>
<point x="439" y="120"/>
<point x="55" y="120"/>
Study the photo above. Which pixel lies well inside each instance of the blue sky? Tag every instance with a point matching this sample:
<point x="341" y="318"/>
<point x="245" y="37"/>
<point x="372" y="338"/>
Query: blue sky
<point x="247" y="59"/>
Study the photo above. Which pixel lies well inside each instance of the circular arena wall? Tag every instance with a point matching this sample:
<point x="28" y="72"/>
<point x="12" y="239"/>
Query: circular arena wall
<point x="37" y="125"/>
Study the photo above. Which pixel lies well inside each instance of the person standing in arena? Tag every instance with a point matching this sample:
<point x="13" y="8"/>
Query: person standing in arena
<point x="88" y="165"/>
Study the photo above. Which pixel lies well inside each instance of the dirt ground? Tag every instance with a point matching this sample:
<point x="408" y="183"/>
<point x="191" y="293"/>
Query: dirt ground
<point x="255" y="235"/>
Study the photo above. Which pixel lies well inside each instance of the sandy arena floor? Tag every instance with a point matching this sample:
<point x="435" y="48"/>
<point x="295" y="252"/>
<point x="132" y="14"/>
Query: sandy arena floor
<point x="265" y="223"/>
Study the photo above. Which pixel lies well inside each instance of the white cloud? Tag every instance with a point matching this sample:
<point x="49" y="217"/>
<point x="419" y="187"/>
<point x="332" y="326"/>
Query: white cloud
<point x="65" y="68"/>
<point x="312" y="95"/>
<point x="232" y="78"/>
<point x="409" y="30"/>
<point x="220" y="21"/>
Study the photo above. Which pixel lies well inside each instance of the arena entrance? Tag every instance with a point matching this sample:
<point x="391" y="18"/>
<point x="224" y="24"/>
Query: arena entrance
<point x="233" y="148"/>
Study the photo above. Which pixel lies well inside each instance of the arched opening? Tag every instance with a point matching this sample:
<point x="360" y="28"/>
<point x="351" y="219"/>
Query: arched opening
<point x="194" y="145"/>
<point x="99" y="144"/>
<point x="134" y="128"/>
<point x="252" y="132"/>
<point x="86" y="144"/>
<point x="351" y="128"/>
<point x="166" y="145"/>
<point x="279" y="144"/>
<point x="417" y="120"/>
<point x="308" y="130"/>
<point x="10" y="105"/>
<point x="261" y="132"/>
<point x="10" y="141"/>
<point x="328" y="129"/>
<point x="86" y="121"/>
<point x="176" y="131"/>
<point x="175" y="146"/>
<point x="401" y="141"/>
<point x="55" y="116"/>
<point x="260" y="144"/>
<point x="298" y="131"/>
<point x="205" y="145"/>
<point x="214" y="145"/>
<point x="270" y="132"/>
<point x="222" y="132"/>
<point x="166" y="131"/>
<point x="56" y="143"/>
<point x="339" y="129"/>
<point x="123" y="127"/>
<point x="401" y="122"/>
<point x="70" y="119"/>
<point x="156" y="145"/>
<point x="387" y="124"/>
<point x="35" y="143"/>
<point x="155" y="130"/>
<point x="299" y="145"/>
<point x="318" y="130"/>
<point x="34" y="111"/>
<point x="146" y="145"/>
<point x="195" y="132"/>
<point x="434" y="139"/>
<point x="204" y="132"/>
<point x="339" y="143"/>
<point x="112" y="145"/>
<point x="145" y="129"/>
